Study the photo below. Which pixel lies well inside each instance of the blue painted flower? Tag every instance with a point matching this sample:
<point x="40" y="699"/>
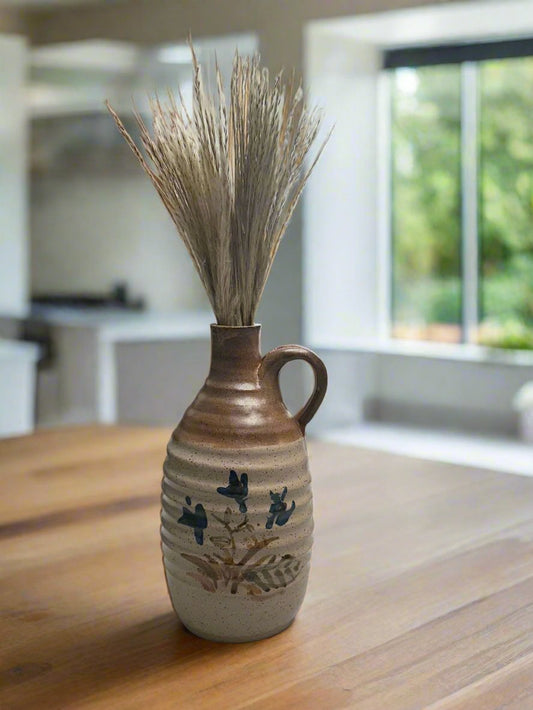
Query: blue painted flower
<point x="278" y="512"/>
<point x="236" y="489"/>
<point x="196" y="520"/>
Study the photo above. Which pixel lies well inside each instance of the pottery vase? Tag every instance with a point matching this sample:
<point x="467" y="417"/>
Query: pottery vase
<point x="236" y="518"/>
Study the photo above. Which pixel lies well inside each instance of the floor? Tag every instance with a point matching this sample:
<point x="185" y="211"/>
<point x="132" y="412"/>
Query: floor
<point x="494" y="454"/>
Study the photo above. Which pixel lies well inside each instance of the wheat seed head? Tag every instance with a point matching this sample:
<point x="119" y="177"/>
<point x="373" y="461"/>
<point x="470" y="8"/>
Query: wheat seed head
<point x="230" y="173"/>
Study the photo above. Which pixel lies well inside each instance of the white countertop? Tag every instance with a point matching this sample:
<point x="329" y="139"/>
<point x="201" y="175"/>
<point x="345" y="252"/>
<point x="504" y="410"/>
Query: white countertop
<point x="130" y="326"/>
<point x="18" y="349"/>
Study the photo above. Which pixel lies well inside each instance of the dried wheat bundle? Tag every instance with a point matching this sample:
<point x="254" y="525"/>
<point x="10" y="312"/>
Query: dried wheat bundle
<point x="230" y="176"/>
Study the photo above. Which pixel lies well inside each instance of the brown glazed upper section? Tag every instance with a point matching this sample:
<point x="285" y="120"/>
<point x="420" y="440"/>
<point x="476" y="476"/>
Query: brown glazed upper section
<point x="240" y="403"/>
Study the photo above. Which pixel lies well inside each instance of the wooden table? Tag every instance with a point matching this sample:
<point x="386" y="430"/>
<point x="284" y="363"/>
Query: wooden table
<point x="420" y="595"/>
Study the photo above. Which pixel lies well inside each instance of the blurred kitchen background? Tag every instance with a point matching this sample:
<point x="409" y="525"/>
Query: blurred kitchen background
<point x="408" y="266"/>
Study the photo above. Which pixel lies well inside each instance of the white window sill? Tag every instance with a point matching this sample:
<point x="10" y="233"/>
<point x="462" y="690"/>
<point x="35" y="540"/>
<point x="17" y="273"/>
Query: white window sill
<point x="504" y="455"/>
<point x="437" y="351"/>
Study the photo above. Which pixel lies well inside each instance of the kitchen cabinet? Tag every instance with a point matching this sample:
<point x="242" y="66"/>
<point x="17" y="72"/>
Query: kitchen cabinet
<point x="13" y="179"/>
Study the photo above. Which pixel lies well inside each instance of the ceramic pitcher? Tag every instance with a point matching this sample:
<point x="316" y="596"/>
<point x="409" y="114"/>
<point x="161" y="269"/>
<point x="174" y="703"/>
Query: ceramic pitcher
<point x="236" y="515"/>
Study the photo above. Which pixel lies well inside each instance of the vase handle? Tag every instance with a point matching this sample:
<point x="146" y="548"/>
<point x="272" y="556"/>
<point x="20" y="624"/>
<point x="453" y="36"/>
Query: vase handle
<point x="272" y="363"/>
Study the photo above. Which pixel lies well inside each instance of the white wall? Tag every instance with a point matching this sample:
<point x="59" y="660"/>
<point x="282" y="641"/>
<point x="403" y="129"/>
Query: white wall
<point x="13" y="208"/>
<point x="340" y="205"/>
<point x="352" y="385"/>
<point x="421" y="391"/>
<point x="157" y="381"/>
<point x="469" y="396"/>
<point x="95" y="217"/>
<point x="89" y="230"/>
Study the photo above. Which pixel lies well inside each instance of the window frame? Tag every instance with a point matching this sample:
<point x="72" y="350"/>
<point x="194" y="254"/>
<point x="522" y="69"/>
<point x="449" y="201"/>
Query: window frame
<point x="467" y="56"/>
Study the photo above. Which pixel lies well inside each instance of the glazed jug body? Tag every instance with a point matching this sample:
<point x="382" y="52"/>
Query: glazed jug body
<point x="236" y="515"/>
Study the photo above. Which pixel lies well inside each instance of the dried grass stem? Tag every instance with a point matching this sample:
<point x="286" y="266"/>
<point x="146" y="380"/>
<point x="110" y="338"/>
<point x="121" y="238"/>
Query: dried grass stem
<point x="230" y="176"/>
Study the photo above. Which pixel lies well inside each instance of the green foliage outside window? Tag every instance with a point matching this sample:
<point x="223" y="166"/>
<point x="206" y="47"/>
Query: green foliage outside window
<point x="506" y="199"/>
<point x="426" y="200"/>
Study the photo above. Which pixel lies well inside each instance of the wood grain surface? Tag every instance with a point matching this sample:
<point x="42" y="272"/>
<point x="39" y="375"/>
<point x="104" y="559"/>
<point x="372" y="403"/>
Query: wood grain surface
<point x="421" y="590"/>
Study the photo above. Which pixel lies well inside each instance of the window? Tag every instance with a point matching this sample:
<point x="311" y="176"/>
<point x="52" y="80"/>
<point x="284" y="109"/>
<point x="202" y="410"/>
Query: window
<point x="462" y="194"/>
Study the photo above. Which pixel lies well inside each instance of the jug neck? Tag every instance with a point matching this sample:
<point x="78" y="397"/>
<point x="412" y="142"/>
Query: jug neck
<point x="237" y="406"/>
<point x="235" y="353"/>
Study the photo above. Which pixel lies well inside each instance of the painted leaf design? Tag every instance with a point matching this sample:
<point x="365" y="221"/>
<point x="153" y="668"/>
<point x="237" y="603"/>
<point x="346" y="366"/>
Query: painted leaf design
<point x="264" y="560"/>
<point x="207" y="568"/>
<point x="206" y="583"/>
<point x="220" y="541"/>
<point x="226" y="519"/>
<point x="276" y="575"/>
<point x="226" y="558"/>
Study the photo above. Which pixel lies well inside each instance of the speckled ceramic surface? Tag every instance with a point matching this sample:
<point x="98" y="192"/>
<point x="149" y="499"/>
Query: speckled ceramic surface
<point x="236" y="505"/>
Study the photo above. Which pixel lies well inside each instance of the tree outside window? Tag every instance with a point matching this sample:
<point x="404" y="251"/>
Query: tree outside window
<point x="431" y="114"/>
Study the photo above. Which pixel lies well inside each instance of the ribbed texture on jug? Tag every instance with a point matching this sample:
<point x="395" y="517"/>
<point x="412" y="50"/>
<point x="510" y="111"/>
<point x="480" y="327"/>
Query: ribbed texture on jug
<point x="234" y="405"/>
<point x="239" y="521"/>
